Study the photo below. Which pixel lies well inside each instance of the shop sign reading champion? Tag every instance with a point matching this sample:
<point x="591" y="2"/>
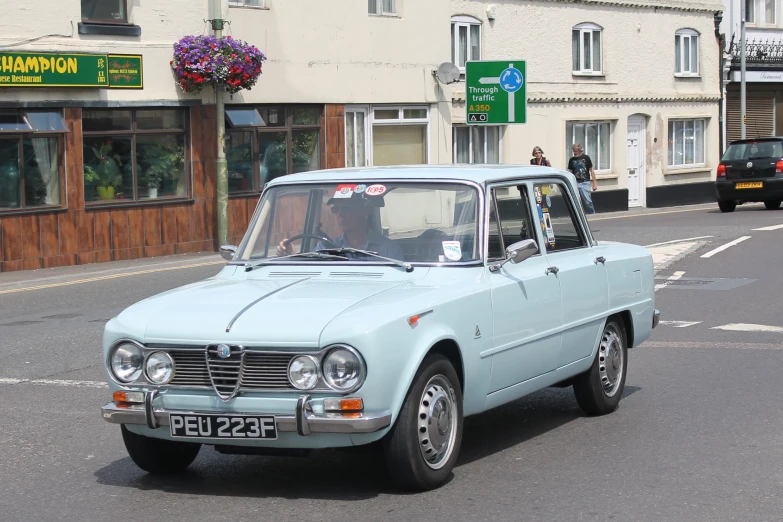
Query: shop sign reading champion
<point x="108" y="71"/>
<point x="496" y="92"/>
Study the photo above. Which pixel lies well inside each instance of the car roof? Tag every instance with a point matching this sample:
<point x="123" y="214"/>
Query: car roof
<point x="477" y="173"/>
<point x="756" y="140"/>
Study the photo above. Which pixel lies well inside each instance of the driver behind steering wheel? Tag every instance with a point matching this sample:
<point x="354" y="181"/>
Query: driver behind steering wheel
<point x="353" y="216"/>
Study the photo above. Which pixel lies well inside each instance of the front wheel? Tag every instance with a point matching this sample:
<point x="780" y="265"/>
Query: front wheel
<point x="159" y="455"/>
<point x="727" y="206"/>
<point x="599" y="389"/>
<point x="772" y="205"/>
<point x="422" y="447"/>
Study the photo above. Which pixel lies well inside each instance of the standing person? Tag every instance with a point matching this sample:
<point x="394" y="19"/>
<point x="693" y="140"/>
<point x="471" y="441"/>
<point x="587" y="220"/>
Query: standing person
<point x="581" y="166"/>
<point x="538" y="157"/>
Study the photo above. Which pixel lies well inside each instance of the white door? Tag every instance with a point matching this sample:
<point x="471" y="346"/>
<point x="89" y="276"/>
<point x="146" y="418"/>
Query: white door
<point x="356" y="139"/>
<point x="635" y="162"/>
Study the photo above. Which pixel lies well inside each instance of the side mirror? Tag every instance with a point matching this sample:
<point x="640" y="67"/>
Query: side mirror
<point x="517" y="253"/>
<point x="228" y="252"/>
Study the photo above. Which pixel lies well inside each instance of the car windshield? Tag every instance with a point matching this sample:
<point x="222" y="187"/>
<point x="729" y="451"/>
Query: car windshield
<point x="753" y="150"/>
<point x="402" y="221"/>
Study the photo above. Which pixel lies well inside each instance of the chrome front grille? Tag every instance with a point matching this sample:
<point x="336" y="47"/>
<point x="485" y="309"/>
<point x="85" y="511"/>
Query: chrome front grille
<point x="252" y="371"/>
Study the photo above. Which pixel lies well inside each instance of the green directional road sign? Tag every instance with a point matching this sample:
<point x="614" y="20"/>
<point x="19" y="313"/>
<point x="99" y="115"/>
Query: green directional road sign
<point x="496" y="92"/>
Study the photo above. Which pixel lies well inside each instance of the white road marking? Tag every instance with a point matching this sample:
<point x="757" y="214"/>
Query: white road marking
<point x="679" y="324"/>
<point x="773" y="227"/>
<point x="665" y="255"/>
<point x="678" y="241"/>
<point x="724" y="247"/>
<point x="674" y="277"/>
<point x="711" y="345"/>
<point x="744" y="327"/>
<point x="55" y="382"/>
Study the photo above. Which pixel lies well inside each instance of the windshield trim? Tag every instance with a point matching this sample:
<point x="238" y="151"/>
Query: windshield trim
<point x="480" y="223"/>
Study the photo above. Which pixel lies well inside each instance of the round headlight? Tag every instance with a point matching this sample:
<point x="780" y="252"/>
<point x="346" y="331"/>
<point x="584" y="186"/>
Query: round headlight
<point x="343" y="369"/>
<point x="160" y="368"/>
<point x="303" y="372"/>
<point x="126" y="362"/>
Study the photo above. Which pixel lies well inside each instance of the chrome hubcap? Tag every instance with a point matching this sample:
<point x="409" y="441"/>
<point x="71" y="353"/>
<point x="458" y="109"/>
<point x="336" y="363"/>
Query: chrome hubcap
<point x="437" y="426"/>
<point x="611" y="360"/>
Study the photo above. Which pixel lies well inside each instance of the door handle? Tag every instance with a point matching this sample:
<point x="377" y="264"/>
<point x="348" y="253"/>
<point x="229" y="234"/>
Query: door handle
<point x="552" y="270"/>
<point x="600" y="259"/>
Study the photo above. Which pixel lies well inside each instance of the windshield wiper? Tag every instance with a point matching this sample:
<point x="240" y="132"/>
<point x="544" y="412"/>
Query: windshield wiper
<point x="274" y="260"/>
<point x="344" y="250"/>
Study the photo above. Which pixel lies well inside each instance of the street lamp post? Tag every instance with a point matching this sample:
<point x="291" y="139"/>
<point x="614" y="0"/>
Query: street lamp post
<point x="222" y="167"/>
<point x="742" y="65"/>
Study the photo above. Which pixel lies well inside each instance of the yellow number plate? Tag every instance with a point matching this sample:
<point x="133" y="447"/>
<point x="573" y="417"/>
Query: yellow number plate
<point x="749" y="185"/>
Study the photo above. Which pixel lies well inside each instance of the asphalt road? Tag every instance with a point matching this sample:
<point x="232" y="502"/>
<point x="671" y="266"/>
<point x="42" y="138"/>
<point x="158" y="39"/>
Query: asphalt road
<point x="697" y="435"/>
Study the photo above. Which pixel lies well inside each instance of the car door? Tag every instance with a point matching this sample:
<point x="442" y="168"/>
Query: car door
<point x="525" y="299"/>
<point x="579" y="268"/>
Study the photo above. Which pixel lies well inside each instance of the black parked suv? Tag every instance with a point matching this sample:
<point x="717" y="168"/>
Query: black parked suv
<point x="751" y="171"/>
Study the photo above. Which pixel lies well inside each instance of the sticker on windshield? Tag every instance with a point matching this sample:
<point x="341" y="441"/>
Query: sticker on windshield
<point x="540" y="212"/>
<point x="375" y="190"/>
<point x="545" y="190"/>
<point x="344" y="191"/>
<point x="358" y="189"/>
<point x="548" y="201"/>
<point x="537" y="192"/>
<point x="453" y="250"/>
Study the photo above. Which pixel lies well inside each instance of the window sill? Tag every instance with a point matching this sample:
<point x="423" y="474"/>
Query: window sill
<point x="241" y="195"/>
<point x="606" y="175"/>
<point x="688" y="169"/>
<point x="109" y="29"/>
<point x="10" y="212"/>
<point x="682" y="76"/>
<point x="588" y="74"/>
<point x="393" y="16"/>
<point x="119" y="203"/>
<point x="253" y="7"/>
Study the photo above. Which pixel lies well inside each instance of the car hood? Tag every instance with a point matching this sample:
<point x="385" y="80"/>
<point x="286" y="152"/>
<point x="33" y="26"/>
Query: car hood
<point x="285" y="312"/>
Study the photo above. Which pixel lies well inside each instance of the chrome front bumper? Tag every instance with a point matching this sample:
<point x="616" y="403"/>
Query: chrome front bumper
<point x="304" y="421"/>
<point x="656" y="317"/>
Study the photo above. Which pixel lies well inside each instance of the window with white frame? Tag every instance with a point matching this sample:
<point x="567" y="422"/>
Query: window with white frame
<point x="586" y="49"/>
<point x="246" y="3"/>
<point x="382" y="7"/>
<point x="476" y="144"/>
<point x="686" y="53"/>
<point x="686" y="142"/>
<point x="596" y="140"/>
<point x="465" y="40"/>
<point x="106" y="11"/>
<point x="769" y="12"/>
<point x="750" y="11"/>
<point x="400" y="135"/>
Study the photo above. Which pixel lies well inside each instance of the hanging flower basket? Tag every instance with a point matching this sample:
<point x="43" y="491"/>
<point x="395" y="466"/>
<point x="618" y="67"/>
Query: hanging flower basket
<point x="223" y="63"/>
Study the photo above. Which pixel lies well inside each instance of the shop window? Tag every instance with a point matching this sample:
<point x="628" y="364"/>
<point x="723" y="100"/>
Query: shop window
<point x="465" y="40"/>
<point x="135" y="155"/>
<point x="686" y="53"/>
<point x="105" y="11"/>
<point x="31" y="165"/>
<point x="382" y="7"/>
<point x="399" y="135"/>
<point x="586" y="49"/>
<point x="266" y="142"/>
<point x="476" y="144"/>
<point x="686" y="142"/>
<point x="596" y="140"/>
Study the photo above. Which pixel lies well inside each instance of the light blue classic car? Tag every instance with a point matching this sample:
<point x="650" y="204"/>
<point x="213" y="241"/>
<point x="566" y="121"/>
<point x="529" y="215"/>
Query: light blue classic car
<point x="381" y="305"/>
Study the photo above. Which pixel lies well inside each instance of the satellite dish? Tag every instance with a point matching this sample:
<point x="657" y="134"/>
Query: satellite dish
<point x="447" y="73"/>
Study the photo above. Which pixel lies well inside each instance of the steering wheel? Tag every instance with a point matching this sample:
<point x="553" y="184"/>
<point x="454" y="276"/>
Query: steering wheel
<point x="314" y="236"/>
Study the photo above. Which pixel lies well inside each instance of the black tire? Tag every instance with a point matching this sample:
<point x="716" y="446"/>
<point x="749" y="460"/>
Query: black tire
<point x="727" y="206"/>
<point x="159" y="456"/>
<point x="405" y="444"/>
<point x="592" y="388"/>
<point x="772" y="205"/>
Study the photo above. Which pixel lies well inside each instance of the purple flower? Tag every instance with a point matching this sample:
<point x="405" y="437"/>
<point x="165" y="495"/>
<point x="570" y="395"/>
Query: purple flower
<point x="223" y="63"/>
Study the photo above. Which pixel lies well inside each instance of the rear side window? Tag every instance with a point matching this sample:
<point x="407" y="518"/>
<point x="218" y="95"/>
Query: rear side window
<point x="754" y="150"/>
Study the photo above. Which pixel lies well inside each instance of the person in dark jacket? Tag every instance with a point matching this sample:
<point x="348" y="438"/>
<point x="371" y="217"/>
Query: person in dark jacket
<point x="538" y="157"/>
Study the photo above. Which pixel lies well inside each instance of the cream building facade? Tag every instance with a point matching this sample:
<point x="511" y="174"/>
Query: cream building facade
<point x="636" y="82"/>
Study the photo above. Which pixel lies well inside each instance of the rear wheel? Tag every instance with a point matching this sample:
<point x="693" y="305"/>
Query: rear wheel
<point x="422" y="447"/>
<point x="772" y="205"/>
<point x="599" y="389"/>
<point x="159" y="455"/>
<point x="727" y="206"/>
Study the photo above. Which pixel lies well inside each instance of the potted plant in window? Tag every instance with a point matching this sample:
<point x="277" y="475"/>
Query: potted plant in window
<point x="104" y="172"/>
<point x="161" y="164"/>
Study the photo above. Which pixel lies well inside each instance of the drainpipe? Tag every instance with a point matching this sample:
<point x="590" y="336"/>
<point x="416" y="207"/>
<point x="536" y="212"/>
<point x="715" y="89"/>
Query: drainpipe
<point x="718" y="18"/>
<point x="222" y="167"/>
